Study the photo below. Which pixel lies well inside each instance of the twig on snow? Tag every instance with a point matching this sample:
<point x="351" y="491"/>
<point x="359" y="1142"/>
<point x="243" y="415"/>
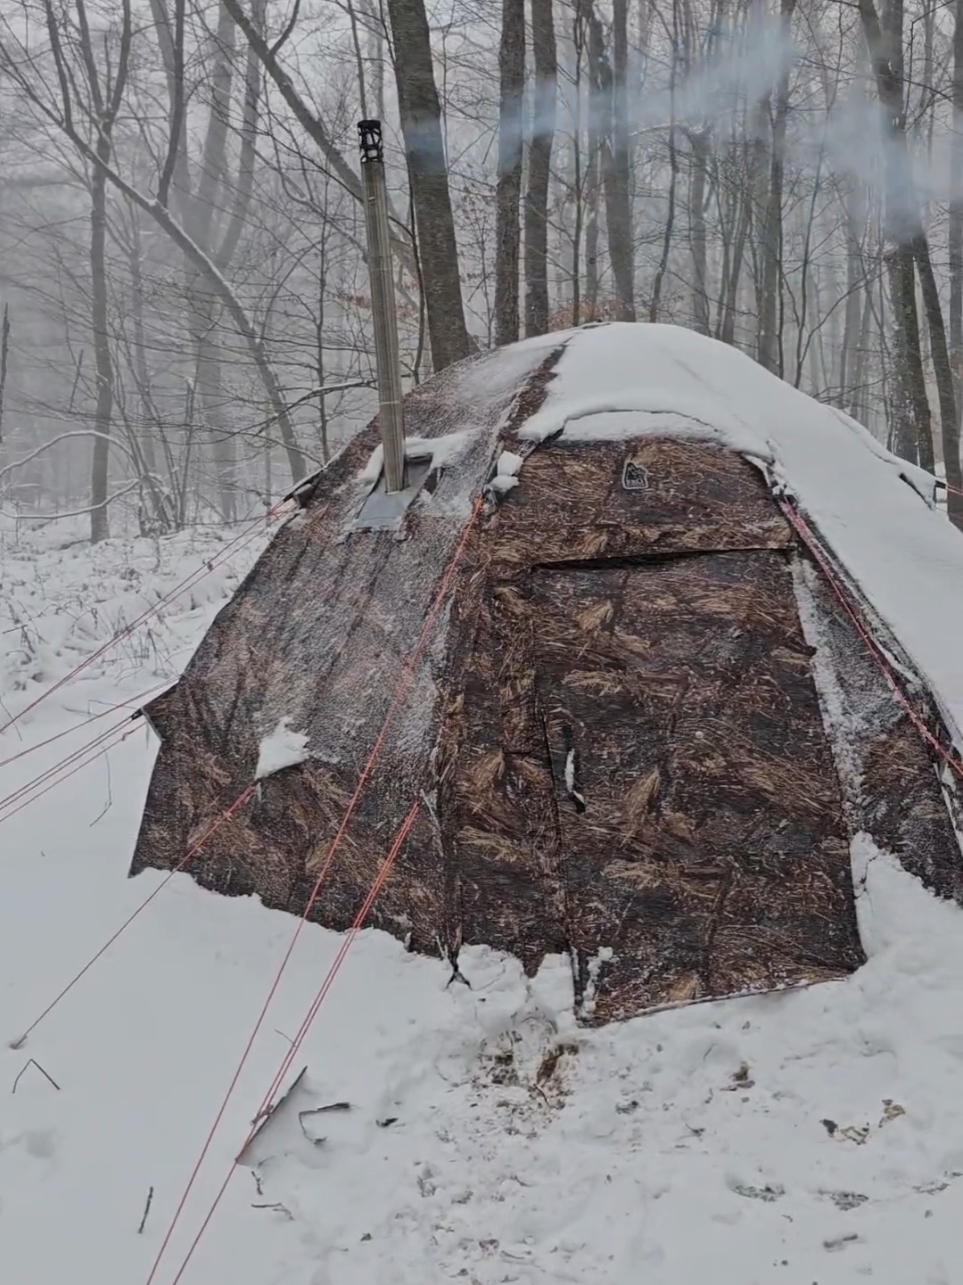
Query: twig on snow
<point x="278" y="1206"/>
<point x="32" y="1062"/>
<point x="143" y="1221"/>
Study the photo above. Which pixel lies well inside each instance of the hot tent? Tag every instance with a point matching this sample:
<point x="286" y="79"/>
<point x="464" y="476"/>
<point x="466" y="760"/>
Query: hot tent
<point x="697" y="632"/>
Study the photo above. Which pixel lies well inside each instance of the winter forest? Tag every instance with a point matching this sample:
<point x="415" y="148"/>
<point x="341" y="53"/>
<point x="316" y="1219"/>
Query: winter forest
<point x="186" y="323"/>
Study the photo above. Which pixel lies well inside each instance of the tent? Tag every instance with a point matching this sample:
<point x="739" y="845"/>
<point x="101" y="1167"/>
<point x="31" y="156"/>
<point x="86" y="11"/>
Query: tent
<point x="650" y="638"/>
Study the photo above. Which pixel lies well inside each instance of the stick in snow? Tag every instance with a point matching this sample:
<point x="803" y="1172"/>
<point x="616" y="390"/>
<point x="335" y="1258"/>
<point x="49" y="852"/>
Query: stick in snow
<point x="143" y="1221"/>
<point x="30" y="1062"/>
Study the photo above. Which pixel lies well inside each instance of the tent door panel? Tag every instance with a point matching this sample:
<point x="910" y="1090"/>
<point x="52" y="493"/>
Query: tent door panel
<point x="703" y="846"/>
<point x="496" y="801"/>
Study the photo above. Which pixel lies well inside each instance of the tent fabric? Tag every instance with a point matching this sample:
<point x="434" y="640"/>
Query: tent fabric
<point x="644" y="732"/>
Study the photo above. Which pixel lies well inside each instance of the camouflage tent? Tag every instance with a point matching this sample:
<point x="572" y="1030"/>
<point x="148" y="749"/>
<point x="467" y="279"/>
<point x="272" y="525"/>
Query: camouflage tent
<point x="644" y="733"/>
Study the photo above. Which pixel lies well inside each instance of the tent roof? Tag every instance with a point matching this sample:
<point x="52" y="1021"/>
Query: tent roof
<point x="610" y="382"/>
<point x="629" y="380"/>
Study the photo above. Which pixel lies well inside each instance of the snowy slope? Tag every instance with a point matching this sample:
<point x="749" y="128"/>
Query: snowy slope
<point x="814" y="1136"/>
<point x="624" y="380"/>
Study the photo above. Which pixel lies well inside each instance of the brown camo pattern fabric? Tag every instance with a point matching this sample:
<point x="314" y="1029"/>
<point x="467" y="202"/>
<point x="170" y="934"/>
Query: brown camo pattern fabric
<point x="645" y="637"/>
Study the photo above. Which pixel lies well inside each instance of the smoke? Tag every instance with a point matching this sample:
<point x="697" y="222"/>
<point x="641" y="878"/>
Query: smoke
<point x="721" y="95"/>
<point x="747" y="64"/>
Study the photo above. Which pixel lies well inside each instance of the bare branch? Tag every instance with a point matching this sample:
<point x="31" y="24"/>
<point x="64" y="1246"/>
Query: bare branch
<point x="61" y="437"/>
<point x="176" y="90"/>
<point x="285" y="35"/>
<point x="44" y="518"/>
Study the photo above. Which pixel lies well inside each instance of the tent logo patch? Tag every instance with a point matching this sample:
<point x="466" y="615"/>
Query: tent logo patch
<point x="634" y="476"/>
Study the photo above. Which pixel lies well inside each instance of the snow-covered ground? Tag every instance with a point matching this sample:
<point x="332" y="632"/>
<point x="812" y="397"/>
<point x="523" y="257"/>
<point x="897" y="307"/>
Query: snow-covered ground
<point x="807" y="1137"/>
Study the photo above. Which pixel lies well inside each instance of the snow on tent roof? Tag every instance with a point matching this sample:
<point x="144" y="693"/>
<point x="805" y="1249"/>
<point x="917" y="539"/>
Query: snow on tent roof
<point x="630" y="380"/>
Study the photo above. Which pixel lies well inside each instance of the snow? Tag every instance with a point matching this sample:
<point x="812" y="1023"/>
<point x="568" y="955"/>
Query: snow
<point x="623" y="381"/>
<point x="507" y="467"/>
<point x="60" y="600"/>
<point x="442" y="451"/>
<point x="508" y="464"/>
<point x="808" y="1136"/>
<point x="282" y="748"/>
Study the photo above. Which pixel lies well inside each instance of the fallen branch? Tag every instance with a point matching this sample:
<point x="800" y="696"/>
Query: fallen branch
<point x="31" y="1062"/>
<point x="143" y="1221"/>
<point x="279" y="1207"/>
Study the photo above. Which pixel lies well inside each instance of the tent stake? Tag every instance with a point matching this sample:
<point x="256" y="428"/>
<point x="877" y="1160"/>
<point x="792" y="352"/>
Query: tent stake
<point x="391" y="411"/>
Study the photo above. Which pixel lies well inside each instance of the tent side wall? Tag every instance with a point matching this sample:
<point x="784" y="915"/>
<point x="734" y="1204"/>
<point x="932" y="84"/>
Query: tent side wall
<point x="321" y="633"/>
<point x="891" y="778"/>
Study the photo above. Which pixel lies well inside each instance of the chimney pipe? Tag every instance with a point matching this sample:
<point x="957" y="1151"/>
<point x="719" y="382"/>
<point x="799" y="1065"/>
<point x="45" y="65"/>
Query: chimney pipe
<point x="391" y="412"/>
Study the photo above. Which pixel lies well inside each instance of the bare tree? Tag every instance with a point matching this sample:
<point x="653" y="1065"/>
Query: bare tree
<point x="200" y="200"/>
<point x="910" y="246"/>
<point x="4" y="359"/>
<point x="420" y="112"/>
<point x="655" y="300"/>
<point x="912" y="426"/>
<point x="661" y="146"/>
<point x="614" y="131"/>
<point x="591" y="37"/>
<point x="71" y="116"/>
<point x="770" y="342"/>
<point x="511" y="65"/>
<point x="699" y="151"/>
<point x="545" y="58"/>
<point x="106" y="92"/>
<point x="956" y="208"/>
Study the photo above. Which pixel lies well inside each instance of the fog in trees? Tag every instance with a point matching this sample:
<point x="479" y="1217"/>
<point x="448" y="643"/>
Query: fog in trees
<point x="186" y="327"/>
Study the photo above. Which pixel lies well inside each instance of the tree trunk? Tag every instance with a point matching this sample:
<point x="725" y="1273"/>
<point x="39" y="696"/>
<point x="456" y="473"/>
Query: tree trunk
<point x="99" y="518"/>
<point x="910" y="409"/>
<point x="940" y="355"/>
<point x="545" y="59"/>
<point x="598" y="120"/>
<point x="203" y="312"/>
<point x="727" y="330"/>
<point x="105" y="97"/>
<point x="907" y="243"/>
<point x="511" y="67"/>
<point x="204" y="322"/>
<point x="141" y="367"/>
<point x="855" y="222"/>
<point x="608" y="128"/>
<point x="618" y="184"/>
<point x="860" y="406"/>
<point x="770" y="338"/>
<point x="699" y="143"/>
<point x="656" y="300"/>
<point x="591" y="207"/>
<point x="578" y="44"/>
<point x="420" y="113"/>
<point x="164" y="517"/>
<point x="170" y="39"/>
<point x="956" y="216"/>
<point x="759" y="187"/>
